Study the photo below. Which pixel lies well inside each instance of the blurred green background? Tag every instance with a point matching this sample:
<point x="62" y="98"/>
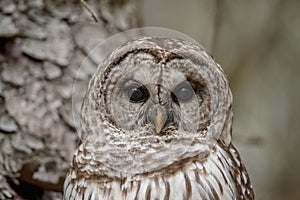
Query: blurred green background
<point x="258" y="44"/>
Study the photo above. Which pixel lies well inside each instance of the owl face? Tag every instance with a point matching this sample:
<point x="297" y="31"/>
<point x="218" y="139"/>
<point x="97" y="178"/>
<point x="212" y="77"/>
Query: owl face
<point x="159" y="86"/>
<point x="155" y="97"/>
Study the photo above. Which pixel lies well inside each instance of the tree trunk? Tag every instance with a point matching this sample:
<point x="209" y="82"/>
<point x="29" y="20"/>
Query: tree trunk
<point x="42" y="44"/>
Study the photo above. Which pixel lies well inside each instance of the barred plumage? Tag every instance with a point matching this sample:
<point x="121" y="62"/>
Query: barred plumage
<point x="169" y="138"/>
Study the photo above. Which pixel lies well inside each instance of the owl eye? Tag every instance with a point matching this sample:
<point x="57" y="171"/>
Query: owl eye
<point x="183" y="92"/>
<point x="137" y="93"/>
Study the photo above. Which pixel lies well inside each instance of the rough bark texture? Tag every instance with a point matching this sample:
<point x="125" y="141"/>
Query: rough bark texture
<point x="42" y="44"/>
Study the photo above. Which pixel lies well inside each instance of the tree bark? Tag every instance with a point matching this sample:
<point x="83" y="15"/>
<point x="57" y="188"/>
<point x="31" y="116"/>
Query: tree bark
<point x="42" y="44"/>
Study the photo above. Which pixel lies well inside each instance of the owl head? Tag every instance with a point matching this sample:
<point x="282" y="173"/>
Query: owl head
<point x="159" y="87"/>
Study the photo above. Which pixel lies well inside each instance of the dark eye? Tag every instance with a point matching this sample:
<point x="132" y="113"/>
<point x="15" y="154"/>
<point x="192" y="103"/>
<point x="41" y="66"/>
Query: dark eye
<point x="137" y="93"/>
<point x="183" y="92"/>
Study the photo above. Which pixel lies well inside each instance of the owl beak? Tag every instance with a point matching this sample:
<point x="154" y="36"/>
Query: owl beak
<point x="160" y="118"/>
<point x="159" y="122"/>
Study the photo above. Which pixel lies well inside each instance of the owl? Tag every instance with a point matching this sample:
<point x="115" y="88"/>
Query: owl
<point x="156" y="124"/>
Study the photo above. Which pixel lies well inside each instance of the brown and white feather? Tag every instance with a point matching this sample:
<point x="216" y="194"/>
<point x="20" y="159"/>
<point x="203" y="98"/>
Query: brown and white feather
<point x="122" y="157"/>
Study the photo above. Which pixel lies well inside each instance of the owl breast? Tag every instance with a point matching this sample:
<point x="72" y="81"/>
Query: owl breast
<point x="204" y="176"/>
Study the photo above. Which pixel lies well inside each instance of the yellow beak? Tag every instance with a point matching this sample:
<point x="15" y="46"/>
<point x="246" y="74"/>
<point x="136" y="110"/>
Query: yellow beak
<point x="160" y="117"/>
<point x="159" y="122"/>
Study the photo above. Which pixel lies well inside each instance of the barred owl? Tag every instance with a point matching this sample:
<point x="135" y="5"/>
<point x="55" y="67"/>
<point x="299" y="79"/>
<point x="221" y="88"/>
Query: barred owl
<point x="156" y="124"/>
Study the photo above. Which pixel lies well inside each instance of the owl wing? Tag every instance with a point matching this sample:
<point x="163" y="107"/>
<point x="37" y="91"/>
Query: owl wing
<point x="223" y="175"/>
